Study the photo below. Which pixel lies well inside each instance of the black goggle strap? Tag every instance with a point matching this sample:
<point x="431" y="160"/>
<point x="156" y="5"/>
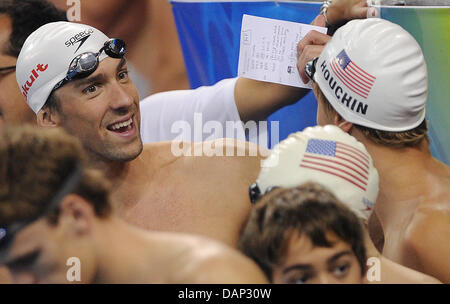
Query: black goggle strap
<point x="255" y="192"/>
<point x="310" y="68"/>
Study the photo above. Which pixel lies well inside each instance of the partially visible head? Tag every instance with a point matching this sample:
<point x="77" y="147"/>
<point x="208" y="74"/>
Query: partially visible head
<point x="305" y="235"/>
<point x="373" y="74"/>
<point x="18" y="19"/>
<point x="49" y="204"/>
<point x="101" y="108"/>
<point x="325" y="155"/>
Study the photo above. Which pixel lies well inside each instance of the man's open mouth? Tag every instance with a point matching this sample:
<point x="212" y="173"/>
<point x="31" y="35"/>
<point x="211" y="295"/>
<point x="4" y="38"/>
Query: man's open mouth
<point x="121" y="127"/>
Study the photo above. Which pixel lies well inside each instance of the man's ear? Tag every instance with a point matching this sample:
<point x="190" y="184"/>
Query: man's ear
<point x="78" y="213"/>
<point x="343" y="124"/>
<point x="47" y="117"/>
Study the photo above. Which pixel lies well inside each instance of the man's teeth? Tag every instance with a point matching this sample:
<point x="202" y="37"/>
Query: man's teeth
<point x="122" y="124"/>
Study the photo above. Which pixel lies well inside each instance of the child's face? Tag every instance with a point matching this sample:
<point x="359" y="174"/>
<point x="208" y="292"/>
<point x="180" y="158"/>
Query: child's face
<point x="306" y="263"/>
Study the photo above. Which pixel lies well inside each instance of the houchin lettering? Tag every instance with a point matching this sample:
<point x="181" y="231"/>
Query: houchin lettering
<point x="341" y="94"/>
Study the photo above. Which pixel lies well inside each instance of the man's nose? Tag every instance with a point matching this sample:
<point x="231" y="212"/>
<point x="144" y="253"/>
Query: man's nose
<point x="120" y="98"/>
<point x="326" y="278"/>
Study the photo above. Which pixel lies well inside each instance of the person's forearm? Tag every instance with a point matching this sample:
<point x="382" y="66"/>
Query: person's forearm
<point x="256" y="100"/>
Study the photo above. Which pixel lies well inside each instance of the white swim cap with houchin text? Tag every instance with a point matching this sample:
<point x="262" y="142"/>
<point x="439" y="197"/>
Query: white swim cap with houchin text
<point x="46" y="55"/>
<point x="374" y="74"/>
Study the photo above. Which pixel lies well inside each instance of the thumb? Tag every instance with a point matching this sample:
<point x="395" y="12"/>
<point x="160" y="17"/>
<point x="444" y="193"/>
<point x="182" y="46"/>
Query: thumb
<point x="319" y="21"/>
<point x="373" y="12"/>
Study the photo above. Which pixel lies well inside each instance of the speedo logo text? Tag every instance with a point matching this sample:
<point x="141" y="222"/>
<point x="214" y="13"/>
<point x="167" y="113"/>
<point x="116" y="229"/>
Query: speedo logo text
<point x="80" y="38"/>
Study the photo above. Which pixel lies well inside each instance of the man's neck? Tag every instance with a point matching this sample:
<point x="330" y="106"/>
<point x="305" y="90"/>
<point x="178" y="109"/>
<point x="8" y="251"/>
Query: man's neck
<point x="403" y="174"/>
<point x="113" y="170"/>
<point x="126" y="178"/>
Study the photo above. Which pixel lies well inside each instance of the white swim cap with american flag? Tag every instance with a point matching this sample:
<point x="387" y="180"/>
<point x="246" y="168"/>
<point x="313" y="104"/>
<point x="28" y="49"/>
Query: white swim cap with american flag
<point x="374" y="74"/>
<point x="328" y="156"/>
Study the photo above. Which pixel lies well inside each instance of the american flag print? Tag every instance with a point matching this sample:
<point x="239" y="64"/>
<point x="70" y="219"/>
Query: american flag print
<point x="337" y="159"/>
<point x="355" y="78"/>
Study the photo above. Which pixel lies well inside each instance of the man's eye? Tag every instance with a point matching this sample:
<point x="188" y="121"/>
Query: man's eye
<point x="299" y="280"/>
<point x="123" y="75"/>
<point x="90" y="89"/>
<point x="341" y="270"/>
<point x="24" y="262"/>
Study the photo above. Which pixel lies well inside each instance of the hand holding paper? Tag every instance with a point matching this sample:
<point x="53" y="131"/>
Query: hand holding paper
<point x="268" y="50"/>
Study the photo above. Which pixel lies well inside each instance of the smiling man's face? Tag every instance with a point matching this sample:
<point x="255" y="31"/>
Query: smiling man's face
<point x="102" y="110"/>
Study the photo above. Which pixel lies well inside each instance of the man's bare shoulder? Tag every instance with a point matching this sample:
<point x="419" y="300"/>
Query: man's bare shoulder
<point x="209" y="261"/>
<point x="436" y="194"/>
<point x="159" y="154"/>
<point x="426" y="237"/>
<point x="430" y="216"/>
<point x="220" y="154"/>
<point x="223" y="147"/>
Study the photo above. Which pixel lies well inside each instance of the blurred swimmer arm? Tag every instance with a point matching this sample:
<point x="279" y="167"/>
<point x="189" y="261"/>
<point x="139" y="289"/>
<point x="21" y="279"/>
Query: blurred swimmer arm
<point x="229" y="269"/>
<point x="116" y="18"/>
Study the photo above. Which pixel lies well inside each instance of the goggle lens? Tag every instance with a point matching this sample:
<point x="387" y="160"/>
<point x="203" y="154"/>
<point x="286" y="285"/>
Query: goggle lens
<point x="85" y="64"/>
<point x="115" y="48"/>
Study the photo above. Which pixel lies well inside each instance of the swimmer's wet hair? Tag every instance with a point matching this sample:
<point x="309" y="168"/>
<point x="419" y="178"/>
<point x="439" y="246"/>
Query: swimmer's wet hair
<point x="34" y="165"/>
<point x="310" y="210"/>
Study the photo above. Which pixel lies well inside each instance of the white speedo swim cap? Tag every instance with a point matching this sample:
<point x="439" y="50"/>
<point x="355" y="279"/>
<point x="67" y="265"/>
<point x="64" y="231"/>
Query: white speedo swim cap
<point x="374" y="74"/>
<point x="328" y="156"/>
<point x="46" y="55"/>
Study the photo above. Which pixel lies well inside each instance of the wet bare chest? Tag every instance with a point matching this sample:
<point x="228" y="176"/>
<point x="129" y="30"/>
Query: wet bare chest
<point x="189" y="206"/>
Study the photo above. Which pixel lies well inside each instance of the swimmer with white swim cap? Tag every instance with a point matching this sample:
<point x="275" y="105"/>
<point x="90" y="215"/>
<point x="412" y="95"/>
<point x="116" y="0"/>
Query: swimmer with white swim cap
<point x="371" y="80"/>
<point x="85" y="89"/>
<point x="337" y="161"/>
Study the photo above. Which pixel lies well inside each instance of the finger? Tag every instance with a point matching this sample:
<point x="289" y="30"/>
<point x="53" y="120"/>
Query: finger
<point x="310" y="52"/>
<point x="360" y="12"/>
<point x="312" y="38"/>
<point x="319" y="21"/>
<point x="372" y="12"/>
<point x="301" y="72"/>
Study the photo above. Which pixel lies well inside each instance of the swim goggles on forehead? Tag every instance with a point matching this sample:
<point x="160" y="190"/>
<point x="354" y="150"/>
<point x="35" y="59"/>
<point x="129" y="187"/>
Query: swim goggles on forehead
<point x="85" y="64"/>
<point x="7" y="234"/>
